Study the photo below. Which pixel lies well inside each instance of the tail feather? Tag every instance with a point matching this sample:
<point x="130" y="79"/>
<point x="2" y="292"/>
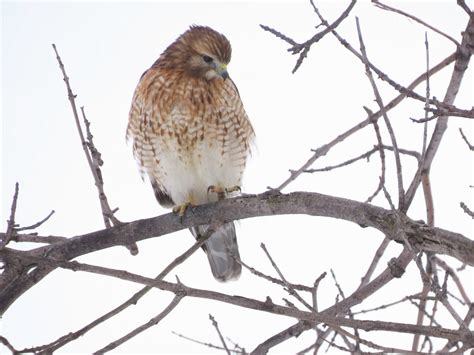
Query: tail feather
<point x="221" y="249"/>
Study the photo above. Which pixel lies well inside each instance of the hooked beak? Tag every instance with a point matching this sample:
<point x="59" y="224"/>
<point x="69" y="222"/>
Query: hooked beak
<point x="222" y="71"/>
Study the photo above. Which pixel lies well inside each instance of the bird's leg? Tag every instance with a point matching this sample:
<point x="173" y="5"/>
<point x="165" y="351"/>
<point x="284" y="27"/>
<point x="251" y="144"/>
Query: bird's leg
<point x="222" y="191"/>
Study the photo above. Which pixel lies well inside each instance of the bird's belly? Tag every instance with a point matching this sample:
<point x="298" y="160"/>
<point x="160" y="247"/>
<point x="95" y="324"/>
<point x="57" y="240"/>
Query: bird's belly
<point x="186" y="174"/>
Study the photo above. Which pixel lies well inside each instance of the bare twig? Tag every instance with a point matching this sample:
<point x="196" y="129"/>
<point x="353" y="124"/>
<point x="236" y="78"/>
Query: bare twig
<point x="455" y="278"/>
<point x="97" y="162"/>
<point x="464" y="6"/>
<point x="406" y="91"/>
<point x="471" y="147"/>
<point x="288" y="286"/>
<point x="11" y="225"/>
<point x="323" y="150"/>
<point x="322" y="317"/>
<point x="426" y="280"/>
<point x="273" y="279"/>
<point x="341" y="292"/>
<point x="36" y="225"/>
<point x="9" y="346"/>
<point x="303" y="48"/>
<point x="414" y="18"/>
<point x="378" y="99"/>
<point x="288" y="333"/>
<point x="216" y="326"/>
<point x="378" y="254"/>
<point x="315" y="290"/>
<point x="463" y="56"/>
<point x="209" y="345"/>
<point x="445" y="110"/>
<point x="129" y="302"/>
<point x="373" y="345"/>
<point x="155" y="320"/>
<point x="381" y="154"/>
<point x="466" y="209"/>
<point x="422" y="308"/>
<point x="387" y="305"/>
<point x="466" y="321"/>
<point x="365" y="155"/>
<point x="427" y="101"/>
<point x="91" y="153"/>
<point x="279" y="35"/>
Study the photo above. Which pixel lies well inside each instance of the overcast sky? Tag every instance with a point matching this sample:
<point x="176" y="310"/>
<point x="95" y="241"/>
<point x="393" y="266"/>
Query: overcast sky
<point x="105" y="47"/>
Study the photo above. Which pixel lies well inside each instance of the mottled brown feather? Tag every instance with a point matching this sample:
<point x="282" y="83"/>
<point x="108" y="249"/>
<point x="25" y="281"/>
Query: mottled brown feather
<point x="184" y="123"/>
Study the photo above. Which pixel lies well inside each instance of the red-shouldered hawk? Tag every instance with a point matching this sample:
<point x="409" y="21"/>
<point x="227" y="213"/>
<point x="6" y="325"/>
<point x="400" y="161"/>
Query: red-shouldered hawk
<point x="191" y="134"/>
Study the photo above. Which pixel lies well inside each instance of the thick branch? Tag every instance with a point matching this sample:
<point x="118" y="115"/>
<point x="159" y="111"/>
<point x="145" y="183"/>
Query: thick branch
<point x="14" y="282"/>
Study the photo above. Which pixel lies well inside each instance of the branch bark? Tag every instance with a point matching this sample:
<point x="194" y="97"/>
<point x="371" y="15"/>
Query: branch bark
<point x="20" y="276"/>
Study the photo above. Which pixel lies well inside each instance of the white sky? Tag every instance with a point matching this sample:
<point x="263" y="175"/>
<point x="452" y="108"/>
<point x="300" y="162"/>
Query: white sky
<point x="105" y="47"/>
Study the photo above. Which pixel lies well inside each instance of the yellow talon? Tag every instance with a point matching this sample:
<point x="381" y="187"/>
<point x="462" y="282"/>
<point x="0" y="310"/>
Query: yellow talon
<point x="181" y="209"/>
<point x="222" y="192"/>
<point x="233" y="189"/>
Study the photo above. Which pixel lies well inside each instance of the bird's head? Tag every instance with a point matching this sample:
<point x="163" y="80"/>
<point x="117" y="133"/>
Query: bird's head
<point x="200" y="52"/>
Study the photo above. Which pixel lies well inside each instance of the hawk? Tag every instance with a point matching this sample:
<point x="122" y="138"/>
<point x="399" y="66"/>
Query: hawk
<point x="191" y="136"/>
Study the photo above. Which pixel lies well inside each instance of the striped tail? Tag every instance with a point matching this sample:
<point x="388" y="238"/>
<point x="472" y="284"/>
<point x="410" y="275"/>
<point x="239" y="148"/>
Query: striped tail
<point x="221" y="248"/>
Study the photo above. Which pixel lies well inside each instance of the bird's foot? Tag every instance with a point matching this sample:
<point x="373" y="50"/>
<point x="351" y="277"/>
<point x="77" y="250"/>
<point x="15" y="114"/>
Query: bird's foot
<point x="180" y="210"/>
<point x="222" y="192"/>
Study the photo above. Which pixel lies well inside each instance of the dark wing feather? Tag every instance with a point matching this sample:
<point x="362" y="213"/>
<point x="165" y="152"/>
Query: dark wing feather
<point x="161" y="196"/>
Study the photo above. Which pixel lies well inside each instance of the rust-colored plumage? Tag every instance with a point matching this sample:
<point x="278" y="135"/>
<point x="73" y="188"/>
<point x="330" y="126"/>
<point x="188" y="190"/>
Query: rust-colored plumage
<point x="190" y="131"/>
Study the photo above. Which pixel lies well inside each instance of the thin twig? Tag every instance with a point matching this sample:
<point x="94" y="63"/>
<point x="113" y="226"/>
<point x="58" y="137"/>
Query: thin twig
<point x="323" y="317"/>
<point x="108" y="213"/>
<point x="155" y="320"/>
<point x="463" y="56"/>
<point x="303" y="48"/>
<point x="11" y="225"/>
<point x="387" y="305"/>
<point x="315" y="290"/>
<point x="471" y="147"/>
<point x="378" y="255"/>
<point x="351" y="315"/>
<point x="427" y="102"/>
<point x="36" y="225"/>
<point x="414" y="18"/>
<point x="273" y="279"/>
<point x="467" y="320"/>
<point x="209" y="345"/>
<point x="385" y="350"/>
<point x="466" y="209"/>
<point x="51" y="347"/>
<point x="288" y="286"/>
<point x="455" y="278"/>
<point x="91" y="157"/>
<point x="406" y="91"/>
<point x="381" y="154"/>
<point x="464" y="6"/>
<point x="365" y="155"/>
<point x="216" y="326"/>
<point x="378" y="99"/>
<point x="8" y="345"/>
<point x="293" y="331"/>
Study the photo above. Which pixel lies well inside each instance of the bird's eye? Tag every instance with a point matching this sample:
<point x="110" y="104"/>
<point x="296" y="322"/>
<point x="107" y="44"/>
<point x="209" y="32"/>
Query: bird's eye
<point x="207" y="59"/>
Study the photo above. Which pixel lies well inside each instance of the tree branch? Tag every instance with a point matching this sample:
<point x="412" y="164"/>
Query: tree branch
<point x="463" y="56"/>
<point x="17" y="280"/>
<point x="464" y="336"/>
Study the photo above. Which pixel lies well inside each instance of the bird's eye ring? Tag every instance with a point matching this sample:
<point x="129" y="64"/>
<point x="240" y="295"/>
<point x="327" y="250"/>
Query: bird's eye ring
<point x="207" y="59"/>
